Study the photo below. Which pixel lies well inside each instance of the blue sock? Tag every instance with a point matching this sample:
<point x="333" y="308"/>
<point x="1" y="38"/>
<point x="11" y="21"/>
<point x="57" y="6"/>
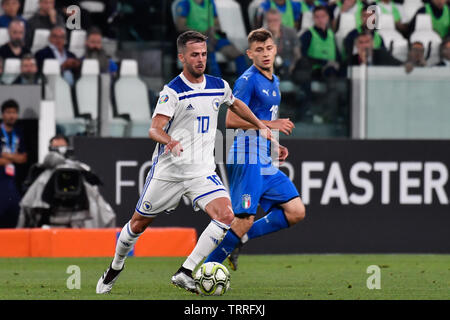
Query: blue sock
<point x="241" y="64"/>
<point x="225" y="247"/>
<point x="275" y="220"/>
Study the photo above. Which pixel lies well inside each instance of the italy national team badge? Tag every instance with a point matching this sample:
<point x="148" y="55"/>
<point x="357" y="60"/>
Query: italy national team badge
<point x="147" y="206"/>
<point x="163" y="99"/>
<point x="246" y="201"/>
<point x="216" y="104"/>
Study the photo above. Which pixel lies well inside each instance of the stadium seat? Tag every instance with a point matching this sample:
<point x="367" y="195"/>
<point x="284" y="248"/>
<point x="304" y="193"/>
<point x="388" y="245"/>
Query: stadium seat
<point x="431" y="40"/>
<point x="252" y="12"/>
<point x="410" y="8"/>
<point x="396" y="44"/>
<point x="40" y="39"/>
<point x="87" y="90"/>
<point x="131" y="97"/>
<point x="93" y="6"/>
<point x="232" y="23"/>
<point x="59" y="90"/>
<point x="307" y="22"/>
<point x="4" y="36"/>
<point x="30" y="7"/>
<point x="11" y="69"/>
<point x="423" y="23"/>
<point x="346" y="24"/>
<point x="77" y="42"/>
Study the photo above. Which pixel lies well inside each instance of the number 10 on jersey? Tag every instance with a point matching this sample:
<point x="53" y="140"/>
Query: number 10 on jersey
<point x="203" y="124"/>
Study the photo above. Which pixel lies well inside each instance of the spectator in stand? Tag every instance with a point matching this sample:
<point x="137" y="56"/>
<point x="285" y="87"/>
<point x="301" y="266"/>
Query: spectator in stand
<point x="15" y="48"/>
<point x="319" y="45"/>
<point x="201" y="16"/>
<point x="347" y="6"/>
<point x="94" y="50"/>
<point x="12" y="152"/>
<point x="416" y="55"/>
<point x="290" y="12"/>
<point x="46" y="18"/>
<point x="445" y="53"/>
<point x="28" y="71"/>
<point x="10" y="10"/>
<point x="440" y="16"/>
<point x="288" y="44"/>
<point x="367" y="54"/>
<point x="349" y="41"/>
<point x="70" y="65"/>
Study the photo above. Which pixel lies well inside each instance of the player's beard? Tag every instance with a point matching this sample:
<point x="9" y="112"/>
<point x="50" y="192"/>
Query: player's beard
<point x="193" y="71"/>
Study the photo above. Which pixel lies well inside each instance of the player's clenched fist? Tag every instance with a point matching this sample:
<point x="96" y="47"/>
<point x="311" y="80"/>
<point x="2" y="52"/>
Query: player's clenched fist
<point x="175" y="147"/>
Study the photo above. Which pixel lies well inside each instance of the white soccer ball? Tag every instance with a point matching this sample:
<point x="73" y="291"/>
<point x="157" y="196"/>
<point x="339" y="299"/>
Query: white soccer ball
<point x="212" y="279"/>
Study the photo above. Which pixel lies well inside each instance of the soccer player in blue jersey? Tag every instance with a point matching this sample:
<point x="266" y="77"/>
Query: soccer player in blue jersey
<point x="257" y="182"/>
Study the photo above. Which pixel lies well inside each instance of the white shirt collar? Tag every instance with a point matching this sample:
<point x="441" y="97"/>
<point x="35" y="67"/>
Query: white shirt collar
<point x="197" y="86"/>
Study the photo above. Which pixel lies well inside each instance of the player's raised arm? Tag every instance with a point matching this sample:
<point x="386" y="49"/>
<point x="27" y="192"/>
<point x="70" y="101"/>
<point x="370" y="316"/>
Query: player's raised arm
<point x="158" y="134"/>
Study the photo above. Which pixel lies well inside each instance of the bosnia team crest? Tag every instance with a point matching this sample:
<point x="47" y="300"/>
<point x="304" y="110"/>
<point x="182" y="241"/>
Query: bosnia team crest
<point x="246" y="201"/>
<point x="147" y="206"/>
<point x="216" y="104"/>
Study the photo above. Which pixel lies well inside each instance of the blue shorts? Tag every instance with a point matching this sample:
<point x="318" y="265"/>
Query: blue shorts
<point x="248" y="188"/>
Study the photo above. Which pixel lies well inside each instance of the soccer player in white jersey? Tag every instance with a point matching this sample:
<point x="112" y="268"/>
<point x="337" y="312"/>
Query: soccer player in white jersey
<point x="184" y="126"/>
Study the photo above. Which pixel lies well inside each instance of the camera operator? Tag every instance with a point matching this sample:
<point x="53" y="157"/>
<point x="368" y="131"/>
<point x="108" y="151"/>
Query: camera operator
<point x="63" y="192"/>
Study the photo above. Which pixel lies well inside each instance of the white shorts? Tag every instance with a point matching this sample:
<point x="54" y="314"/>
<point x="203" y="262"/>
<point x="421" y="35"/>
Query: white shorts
<point x="164" y="196"/>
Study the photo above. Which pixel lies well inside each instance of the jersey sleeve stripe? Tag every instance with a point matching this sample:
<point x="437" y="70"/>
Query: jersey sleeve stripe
<point x="203" y="94"/>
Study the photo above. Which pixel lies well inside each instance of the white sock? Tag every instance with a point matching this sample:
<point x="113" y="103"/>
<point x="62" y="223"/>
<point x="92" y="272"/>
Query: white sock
<point x="125" y="244"/>
<point x="208" y="240"/>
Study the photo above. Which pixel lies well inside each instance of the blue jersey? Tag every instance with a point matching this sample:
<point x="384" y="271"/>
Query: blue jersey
<point x="253" y="179"/>
<point x="262" y="95"/>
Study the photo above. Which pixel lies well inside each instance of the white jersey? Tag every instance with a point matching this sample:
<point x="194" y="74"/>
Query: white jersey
<point x="193" y="109"/>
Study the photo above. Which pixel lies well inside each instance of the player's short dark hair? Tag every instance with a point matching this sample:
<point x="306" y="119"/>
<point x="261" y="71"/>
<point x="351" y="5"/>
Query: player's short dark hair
<point x="318" y="8"/>
<point x="10" y="104"/>
<point x="259" y="35"/>
<point x="189" y="36"/>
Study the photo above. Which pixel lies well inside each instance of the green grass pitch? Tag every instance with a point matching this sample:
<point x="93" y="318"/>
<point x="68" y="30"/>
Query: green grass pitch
<point x="261" y="277"/>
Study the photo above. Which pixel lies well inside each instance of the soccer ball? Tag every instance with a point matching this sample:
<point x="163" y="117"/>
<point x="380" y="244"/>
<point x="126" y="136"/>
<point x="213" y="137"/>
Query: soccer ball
<point x="212" y="279"/>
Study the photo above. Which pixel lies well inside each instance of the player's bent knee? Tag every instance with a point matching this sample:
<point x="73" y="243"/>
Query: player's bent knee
<point x="295" y="213"/>
<point x="139" y="223"/>
<point x="225" y="216"/>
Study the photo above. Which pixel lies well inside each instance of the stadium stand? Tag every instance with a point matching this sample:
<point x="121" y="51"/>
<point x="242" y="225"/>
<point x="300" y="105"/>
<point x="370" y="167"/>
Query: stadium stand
<point x="394" y="41"/>
<point x="87" y="89"/>
<point x="4" y="36"/>
<point x="410" y="8"/>
<point x="131" y="97"/>
<point x="11" y="70"/>
<point x="40" y="39"/>
<point x="252" y="11"/>
<point x="57" y="89"/>
<point x="30" y="7"/>
<point x="347" y="24"/>
<point x="77" y="42"/>
<point x="93" y="6"/>
<point x="232" y="23"/>
<point x="424" y="33"/>
<point x="307" y="22"/>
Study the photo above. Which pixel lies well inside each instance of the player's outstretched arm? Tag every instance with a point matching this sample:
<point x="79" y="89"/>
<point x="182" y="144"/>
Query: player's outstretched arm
<point x="233" y="121"/>
<point x="244" y="112"/>
<point x="158" y="134"/>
